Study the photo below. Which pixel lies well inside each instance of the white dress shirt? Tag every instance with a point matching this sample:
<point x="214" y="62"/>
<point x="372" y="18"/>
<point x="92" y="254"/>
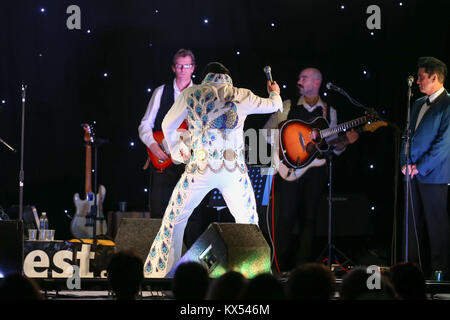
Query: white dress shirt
<point x="148" y="121"/>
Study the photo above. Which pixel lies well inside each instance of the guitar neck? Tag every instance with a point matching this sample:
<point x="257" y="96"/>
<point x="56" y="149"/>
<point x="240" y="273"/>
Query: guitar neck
<point x="325" y="133"/>
<point x="88" y="171"/>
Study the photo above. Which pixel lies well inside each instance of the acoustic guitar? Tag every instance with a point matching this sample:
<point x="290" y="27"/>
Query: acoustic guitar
<point x="82" y="225"/>
<point x="302" y="142"/>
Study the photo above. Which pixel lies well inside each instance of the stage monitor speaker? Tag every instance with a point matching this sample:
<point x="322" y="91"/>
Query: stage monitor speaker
<point x="350" y="216"/>
<point x="227" y="247"/>
<point x="29" y="216"/>
<point x="137" y="234"/>
<point x="11" y="247"/>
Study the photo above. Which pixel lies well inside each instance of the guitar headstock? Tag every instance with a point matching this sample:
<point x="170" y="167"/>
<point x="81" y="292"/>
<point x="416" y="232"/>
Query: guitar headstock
<point x="89" y="135"/>
<point x="372" y="126"/>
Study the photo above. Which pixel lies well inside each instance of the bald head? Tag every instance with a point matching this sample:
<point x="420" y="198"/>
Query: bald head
<point x="309" y="82"/>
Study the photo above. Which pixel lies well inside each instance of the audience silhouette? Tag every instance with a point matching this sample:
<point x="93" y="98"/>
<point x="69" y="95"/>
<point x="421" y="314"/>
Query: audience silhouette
<point x="355" y="287"/>
<point x="125" y="274"/>
<point x="229" y="286"/>
<point x="190" y="281"/>
<point x="19" y="287"/>
<point x="264" y="286"/>
<point x="310" y="281"/>
<point x="408" y="281"/>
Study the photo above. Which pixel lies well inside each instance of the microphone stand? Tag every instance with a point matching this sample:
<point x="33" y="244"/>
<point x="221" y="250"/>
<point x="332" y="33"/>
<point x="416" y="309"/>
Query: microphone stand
<point x="22" y="143"/>
<point x="407" y="137"/>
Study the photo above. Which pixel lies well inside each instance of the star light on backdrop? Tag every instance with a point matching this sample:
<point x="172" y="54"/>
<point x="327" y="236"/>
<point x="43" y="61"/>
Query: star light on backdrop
<point x="206" y="21"/>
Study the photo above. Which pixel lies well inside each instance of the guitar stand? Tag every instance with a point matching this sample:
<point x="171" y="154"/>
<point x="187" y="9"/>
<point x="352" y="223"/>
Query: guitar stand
<point x="330" y="248"/>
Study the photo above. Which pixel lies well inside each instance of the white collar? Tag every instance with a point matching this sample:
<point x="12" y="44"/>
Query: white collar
<point x="175" y="87"/>
<point x="436" y="94"/>
<point x="302" y="101"/>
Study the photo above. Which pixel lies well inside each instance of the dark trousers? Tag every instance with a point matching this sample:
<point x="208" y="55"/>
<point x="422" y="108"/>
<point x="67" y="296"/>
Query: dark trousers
<point x="161" y="188"/>
<point x="295" y="221"/>
<point x="428" y="216"/>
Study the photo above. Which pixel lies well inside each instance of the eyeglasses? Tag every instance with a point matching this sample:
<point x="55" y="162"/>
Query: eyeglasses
<point x="183" y="66"/>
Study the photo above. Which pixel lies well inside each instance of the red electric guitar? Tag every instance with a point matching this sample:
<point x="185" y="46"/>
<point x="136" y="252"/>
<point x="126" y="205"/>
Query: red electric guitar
<point x="159" y="138"/>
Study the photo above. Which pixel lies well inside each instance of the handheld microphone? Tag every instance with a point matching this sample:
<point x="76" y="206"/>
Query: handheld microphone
<point x="267" y="71"/>
<point x="410" y="81"/>
<point x="331" y="86"/>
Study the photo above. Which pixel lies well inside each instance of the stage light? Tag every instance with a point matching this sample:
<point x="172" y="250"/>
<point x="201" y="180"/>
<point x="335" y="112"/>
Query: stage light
<point x="40" y="54"/>
<point x="400" y="4"/>
<point x="132" y="143"/>
<point x="364" y="72"/>
<point x="193" y="76"/>
<point x="205" y="21"/>
<point x="156" y="11"/>
<point x="371" y="33"/>
<point x="1" y="275"/>
<point x="284" y="86"/>
<point x="371" y="166"/>
<point x="325" y="94"/>
<point x="238" y="52"/>
<point x="149" y="90"/>
<point x="372" y="208"/>
<point x="105" y="75"/>
<point x="145" y="190"/>
<point x="272" y="24"/>
<point x="88" y="31"/>
<point x="150" y="44"/>
<point x="3" y="101"/>
<point x="42" y="10"/>
<point x="342" y="7"/>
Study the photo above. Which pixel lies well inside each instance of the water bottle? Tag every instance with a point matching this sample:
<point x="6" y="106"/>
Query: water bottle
<point x="43" y="221"/>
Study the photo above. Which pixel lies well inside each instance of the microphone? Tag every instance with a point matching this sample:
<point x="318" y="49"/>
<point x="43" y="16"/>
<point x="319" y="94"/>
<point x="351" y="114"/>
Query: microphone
<point x="331" y="86"/>
<point x="410" y="81"/>
<point x="267" y="71"/>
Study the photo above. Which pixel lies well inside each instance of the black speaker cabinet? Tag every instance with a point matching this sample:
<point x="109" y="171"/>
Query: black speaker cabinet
<point x="11" y="247"/>
<point x="229" y="247"/>
<point x="137" y="234"/>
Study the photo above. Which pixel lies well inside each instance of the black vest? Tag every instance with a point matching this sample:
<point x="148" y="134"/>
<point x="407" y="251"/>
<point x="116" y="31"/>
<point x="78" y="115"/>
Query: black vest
<point x="166" y="103"/>
<point x="301" y="113"/>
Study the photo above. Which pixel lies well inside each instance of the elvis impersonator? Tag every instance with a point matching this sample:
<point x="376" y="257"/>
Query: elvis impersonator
<point x="213" y="150"/>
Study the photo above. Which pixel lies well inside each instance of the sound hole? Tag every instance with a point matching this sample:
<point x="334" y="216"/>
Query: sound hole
<point x="310" y="148"/>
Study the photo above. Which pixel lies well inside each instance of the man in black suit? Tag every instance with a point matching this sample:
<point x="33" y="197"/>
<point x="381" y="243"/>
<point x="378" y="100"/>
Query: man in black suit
<point x="429" y="167"/>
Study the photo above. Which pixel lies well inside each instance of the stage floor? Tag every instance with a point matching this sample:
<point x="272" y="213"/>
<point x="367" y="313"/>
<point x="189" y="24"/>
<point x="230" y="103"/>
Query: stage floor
<point x="160" y="289"/>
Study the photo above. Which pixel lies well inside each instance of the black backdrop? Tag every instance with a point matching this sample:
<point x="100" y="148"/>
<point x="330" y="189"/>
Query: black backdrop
<point x="133" y="43"/>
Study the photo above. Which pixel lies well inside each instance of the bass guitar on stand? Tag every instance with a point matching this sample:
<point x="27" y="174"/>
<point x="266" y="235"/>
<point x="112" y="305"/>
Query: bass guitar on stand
<point x="82" y="225"/>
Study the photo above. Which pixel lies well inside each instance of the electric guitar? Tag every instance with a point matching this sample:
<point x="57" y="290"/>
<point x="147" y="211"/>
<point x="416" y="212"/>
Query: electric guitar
<point x="82" y="225"/>
<point x="311" y="142"/>
<point x="159" y="138"/>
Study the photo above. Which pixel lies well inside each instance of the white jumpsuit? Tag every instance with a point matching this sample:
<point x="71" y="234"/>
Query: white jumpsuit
<point x="216" y="112"/>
